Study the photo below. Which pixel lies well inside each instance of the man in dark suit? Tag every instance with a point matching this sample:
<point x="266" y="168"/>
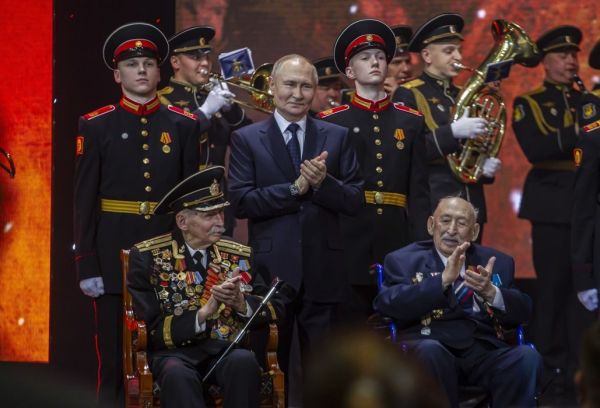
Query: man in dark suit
<point x="545" y="124"/>
<point x="452" y="300"/>
<point x="293" y="206"/>
<point x="128" y="156"/>
<point x="192" y="288"/>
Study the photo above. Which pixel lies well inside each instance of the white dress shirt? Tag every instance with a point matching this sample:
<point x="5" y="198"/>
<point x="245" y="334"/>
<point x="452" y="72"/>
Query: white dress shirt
<point x="283" y="124"/>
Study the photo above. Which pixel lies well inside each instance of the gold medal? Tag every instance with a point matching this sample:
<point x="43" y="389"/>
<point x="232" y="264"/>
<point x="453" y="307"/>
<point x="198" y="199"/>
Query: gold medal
<point x="400" y="145"/>
<point x="166" y="149"/>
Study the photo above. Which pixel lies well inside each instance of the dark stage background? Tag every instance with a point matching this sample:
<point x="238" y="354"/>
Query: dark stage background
<point x="57" y="325"/>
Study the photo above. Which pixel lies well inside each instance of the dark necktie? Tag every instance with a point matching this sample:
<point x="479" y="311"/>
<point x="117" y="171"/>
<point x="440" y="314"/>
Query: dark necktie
<point x="198" y="258"/>
<point x="293" y="147"/>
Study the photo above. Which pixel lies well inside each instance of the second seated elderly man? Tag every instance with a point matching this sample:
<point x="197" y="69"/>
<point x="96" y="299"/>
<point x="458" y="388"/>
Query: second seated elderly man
<point x="452" y="300"/>
<point x="292" y="176"/>
<point x="191" y="287"/>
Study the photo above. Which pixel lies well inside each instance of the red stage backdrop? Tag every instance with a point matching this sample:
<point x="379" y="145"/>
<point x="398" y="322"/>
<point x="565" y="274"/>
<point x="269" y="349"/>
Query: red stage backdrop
<point x="273" y="29"/>
<point x="25" y="132"/>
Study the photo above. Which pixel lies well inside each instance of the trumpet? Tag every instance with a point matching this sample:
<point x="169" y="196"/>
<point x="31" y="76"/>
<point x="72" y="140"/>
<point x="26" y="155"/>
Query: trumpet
<point x="10" y="168"/>
<point x="257" y="86"/>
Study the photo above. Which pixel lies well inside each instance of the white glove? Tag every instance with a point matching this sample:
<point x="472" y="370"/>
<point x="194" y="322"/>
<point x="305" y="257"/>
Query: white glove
<point x="92" y="287"/>
<point x="216" y="100"/>
<point x="589" y="299"/>
<point x="491" y="166"/>
<point x="468" y="128"/>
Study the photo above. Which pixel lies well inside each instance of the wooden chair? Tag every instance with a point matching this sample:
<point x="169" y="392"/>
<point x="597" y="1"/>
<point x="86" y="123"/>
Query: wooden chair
<point x="140" y="390"/>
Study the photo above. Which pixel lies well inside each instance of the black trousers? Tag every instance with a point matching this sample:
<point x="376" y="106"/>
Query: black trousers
<point x="559" y="319"/>
<point x="314" y="320"/>
<point x="510" y="374"/>
<point x="180" y="380"/>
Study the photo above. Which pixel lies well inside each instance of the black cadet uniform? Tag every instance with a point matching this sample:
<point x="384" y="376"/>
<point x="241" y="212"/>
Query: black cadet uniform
<point x="545" y="124"/>
<point x="128" y="156"/>
<point x="390" y="149"/>
<point x="585" y="226"/>
<point x="435" y="98"/>
<point x="169" y="284"/>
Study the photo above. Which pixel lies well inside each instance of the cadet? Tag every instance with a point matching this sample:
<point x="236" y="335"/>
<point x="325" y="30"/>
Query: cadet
<point x="545" y="123"/>
<point x="439" y="42"/>
<point x="389" y="143"/>
<point x="128" y="156"/>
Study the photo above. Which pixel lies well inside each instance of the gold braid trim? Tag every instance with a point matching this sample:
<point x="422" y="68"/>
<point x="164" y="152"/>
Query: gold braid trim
<point x="167" y="332"/>
<point x="539" y="116"/>
<point x="423" y="107"/>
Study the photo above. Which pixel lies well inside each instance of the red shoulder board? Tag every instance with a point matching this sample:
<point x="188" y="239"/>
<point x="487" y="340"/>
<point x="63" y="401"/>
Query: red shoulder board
<point x="592" y="126"/>
<point x="182" y="112"/>
<point x="405" y="108"/>
<point x="331" y="111"/>
<point x="99" y="112"/>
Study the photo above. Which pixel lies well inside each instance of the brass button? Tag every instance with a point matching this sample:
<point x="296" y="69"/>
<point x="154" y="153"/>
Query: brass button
<point x="378" y="197"/>
<point x="145" y="146"/>
<point x="148" y="189"/>
<point x="147" y="216"/>
<point x="378" y="142"/>
<point x="378" y="169"/>
<point x="379" y="211"/>
<point x="375" y="116"/>
<point x="376" y="129"/>
<point x="144" y="132"/>
<point x="379" y="183"/>
<point x="146" y="175"/>
<point x="146" y="160"/>
<point x="379" y="156"/>
<point x="144" y="120"/>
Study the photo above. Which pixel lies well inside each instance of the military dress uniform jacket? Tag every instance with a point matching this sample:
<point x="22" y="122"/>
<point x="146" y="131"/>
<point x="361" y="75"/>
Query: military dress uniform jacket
<point x="168" y="287"/>
<point x="544" y="121"/>
<point x="389" y="144"/>
<point x="585" y="225"/>
<point x="435" y="98"/>
<point x="413" y="296"/>
<point x="214" y="141"/>
<point x="128" y="156"/>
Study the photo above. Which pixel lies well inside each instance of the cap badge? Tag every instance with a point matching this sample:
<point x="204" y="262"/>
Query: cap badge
<point x="398" y="41"/>
<point x="369" y="37"/>
<point x="215" y="189"/>
<point x="202" y="41"/>
<point x="328" y="71"/>
<point x="138" y="44"/>
<point x="452" y="29"/>
<point x="568" y="39"/>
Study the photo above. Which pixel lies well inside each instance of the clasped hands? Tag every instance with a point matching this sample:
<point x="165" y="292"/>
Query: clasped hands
<point x="479" y="281"/>
<point x="312" y="173"/>
<point x="228" y="293"/>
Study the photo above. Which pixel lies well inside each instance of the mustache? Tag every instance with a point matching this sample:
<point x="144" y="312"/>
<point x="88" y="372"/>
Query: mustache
<point x="217" y="230"/>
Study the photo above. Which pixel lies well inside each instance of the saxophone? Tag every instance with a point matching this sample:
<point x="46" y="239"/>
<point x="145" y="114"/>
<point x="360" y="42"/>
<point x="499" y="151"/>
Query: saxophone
<point x="512" y="43"/>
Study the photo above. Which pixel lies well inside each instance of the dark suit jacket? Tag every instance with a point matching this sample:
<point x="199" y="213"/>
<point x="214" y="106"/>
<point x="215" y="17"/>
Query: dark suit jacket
<point x="408" y="302"/>
<point x="295" y="238"/>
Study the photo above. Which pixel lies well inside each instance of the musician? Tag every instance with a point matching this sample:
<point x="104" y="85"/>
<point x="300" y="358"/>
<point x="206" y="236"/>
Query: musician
<point x="545" y="123"/>
<point x="400" y="67"/>
<point x="329" y="87"/>
<point x="586" y="216"/>
<point x="195" y="290"/>
<point x="388" y="139"/>
<point x="191" y="61"/>
<point x="439" y="42"/>
<point x="128" y="155"/>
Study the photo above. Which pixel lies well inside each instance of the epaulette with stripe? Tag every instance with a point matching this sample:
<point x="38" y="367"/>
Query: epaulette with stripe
<point x="153" y="243"/>
<point x="233" y="247"/>
<point x="413" y="84"/>
<point x="405" y="108"/>
<point x="182" y="112"/>
<point x="166" y="90"/>
<point x="99" y="112"/>
<point x="331" y="111"/>
<point x="592" y="126"/>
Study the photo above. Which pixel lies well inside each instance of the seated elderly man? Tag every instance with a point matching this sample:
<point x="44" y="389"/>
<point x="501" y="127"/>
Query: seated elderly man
<point x="452" y="300"/>
<point x="192" y="288"/>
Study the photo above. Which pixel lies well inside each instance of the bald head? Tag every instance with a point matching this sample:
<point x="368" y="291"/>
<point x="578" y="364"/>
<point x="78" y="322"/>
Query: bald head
<point x="453" y="222"/>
